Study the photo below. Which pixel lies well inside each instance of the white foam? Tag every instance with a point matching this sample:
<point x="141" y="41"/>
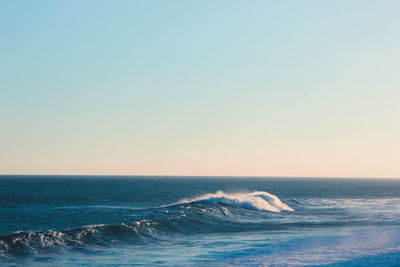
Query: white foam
<point x="258" y="200"/>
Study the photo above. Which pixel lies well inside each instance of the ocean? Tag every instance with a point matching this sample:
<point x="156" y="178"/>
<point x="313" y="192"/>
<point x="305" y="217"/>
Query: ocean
<point x="198" y="221"/>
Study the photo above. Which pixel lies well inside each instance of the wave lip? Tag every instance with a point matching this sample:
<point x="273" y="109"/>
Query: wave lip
<point x="257" y="200"/>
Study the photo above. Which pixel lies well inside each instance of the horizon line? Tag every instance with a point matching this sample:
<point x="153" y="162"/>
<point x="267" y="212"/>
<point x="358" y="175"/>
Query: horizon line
<point x="204" y="176"/>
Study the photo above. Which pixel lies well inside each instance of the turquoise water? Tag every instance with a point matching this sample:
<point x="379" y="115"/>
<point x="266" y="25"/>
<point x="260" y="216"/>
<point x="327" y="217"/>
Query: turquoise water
<point x="191" y="221"/>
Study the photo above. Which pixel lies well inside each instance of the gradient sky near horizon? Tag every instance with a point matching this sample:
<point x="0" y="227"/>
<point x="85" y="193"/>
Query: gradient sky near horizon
<point x="265" y="88"/>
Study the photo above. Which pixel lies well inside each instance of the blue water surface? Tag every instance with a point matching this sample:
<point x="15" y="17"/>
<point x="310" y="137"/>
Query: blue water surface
<point x="198" y="221"/>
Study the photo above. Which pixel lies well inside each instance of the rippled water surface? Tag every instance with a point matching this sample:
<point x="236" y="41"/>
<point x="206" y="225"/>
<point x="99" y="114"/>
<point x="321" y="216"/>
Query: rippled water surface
<point x="190" y="221"/>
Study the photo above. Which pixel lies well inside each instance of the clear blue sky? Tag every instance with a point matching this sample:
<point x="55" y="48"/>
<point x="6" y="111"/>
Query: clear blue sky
<point x="285" y="88"/>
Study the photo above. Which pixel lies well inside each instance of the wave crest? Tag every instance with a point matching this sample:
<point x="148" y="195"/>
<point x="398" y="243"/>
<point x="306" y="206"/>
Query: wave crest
<point x="157" y="223"/>
<point x="257" y="200"/>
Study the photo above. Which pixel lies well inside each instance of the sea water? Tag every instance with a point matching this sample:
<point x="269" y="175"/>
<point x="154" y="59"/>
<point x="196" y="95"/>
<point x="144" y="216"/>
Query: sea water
<point x="198" y="221"/>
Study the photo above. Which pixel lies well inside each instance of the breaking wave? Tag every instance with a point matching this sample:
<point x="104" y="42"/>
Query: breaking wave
<point x="258" y="200"/>
<point x="218" y="212"/>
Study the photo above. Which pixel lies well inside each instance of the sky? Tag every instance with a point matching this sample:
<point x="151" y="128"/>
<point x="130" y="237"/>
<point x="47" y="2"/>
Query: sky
<point x="242" y="88"/>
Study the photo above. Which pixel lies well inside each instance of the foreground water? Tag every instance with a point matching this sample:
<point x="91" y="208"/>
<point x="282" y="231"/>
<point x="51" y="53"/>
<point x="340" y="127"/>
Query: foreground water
<point x="189" y="221"/>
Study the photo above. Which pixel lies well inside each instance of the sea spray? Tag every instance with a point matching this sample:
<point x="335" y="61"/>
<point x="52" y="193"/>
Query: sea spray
<point x="130" y="221"/>
<point x="258" y="200"/>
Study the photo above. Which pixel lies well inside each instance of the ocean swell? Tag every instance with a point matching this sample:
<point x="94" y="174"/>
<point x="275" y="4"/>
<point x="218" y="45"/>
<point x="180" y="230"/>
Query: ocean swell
<point x="210" y="213"/>
<point x="257" y="200"/>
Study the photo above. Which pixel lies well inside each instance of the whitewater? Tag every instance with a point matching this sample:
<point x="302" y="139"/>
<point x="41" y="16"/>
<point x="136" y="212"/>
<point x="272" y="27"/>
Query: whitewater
<point x="263" y="201"/>
<point x="175" y="221"/>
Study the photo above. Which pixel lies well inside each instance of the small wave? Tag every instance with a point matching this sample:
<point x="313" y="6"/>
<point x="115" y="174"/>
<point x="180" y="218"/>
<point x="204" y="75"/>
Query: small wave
<point x="97" y="234"/>
<point x="257" y="200"/>
<point x="22" y="241"/>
